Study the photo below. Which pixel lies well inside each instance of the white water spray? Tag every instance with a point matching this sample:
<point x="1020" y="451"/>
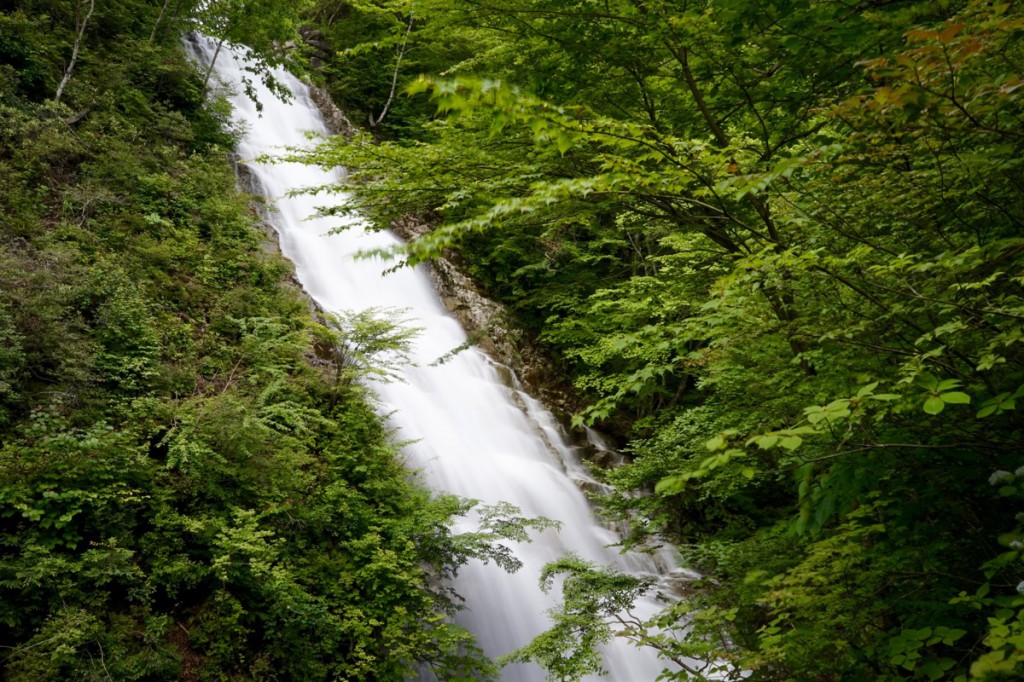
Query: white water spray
<point x="471" y="435"/>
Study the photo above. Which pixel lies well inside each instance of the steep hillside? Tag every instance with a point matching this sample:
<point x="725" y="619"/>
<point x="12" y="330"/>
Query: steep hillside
<point x="191" y="485"/>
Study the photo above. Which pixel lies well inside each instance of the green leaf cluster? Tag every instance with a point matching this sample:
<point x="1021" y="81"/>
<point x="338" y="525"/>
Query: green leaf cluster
<point x="777" y="247"/>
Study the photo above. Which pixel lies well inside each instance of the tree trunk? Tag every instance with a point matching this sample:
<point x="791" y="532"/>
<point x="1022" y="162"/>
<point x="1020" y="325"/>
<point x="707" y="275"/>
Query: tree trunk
<point x="159" y="19"/>
<point x="80" y="32"/>
<point x="209" y="69"/>
<point x="394" y="80"/>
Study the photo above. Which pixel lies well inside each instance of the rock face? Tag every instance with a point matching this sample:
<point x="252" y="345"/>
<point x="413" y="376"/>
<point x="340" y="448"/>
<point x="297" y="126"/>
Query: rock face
<point x="489" y="324"/>
<point x="336" y="120"/>
<point x="248" y="183"/>
<point x="325" y="356"/>
<point x="317" y="45"/>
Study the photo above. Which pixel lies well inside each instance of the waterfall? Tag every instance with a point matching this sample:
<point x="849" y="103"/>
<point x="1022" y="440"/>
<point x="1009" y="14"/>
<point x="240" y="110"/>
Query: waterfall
<point x="469" y="433"/>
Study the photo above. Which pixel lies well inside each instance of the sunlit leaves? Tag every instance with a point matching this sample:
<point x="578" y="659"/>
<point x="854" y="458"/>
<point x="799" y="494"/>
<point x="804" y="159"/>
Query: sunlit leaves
<point x="939" y="393"/>
<point x="371" y="344"/>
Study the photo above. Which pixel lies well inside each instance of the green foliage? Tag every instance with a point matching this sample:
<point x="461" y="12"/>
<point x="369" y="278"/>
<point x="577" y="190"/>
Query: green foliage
<point x="590" y="597"/>
<point x="370" y="43"/>
<point x="596" y="606"/>
<point x="187" y="491"/>
<point x="777" y="247"/>
<point x="371" y="343"/>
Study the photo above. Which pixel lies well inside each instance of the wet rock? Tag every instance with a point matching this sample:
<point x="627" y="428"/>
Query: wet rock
<point x="316" y="42"/>
<point x="591" y="488"/>
<point x="250" y="184"/>
<point x="489" y="324"/>
<point x="334" y="117"/>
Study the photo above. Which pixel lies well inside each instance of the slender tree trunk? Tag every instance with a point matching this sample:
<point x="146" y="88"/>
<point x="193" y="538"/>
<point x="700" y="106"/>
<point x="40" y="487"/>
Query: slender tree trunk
<point x="394" y="80"/>
<point x="209" y="69"/>
<point x="80" y="32"/>
<point x="174" y="12"/>
<point x="159" y="19"/>
<point x="334" y="15"/>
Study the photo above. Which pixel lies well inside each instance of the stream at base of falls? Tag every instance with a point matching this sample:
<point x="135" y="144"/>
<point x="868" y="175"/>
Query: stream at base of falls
<point x="468" y="433"/>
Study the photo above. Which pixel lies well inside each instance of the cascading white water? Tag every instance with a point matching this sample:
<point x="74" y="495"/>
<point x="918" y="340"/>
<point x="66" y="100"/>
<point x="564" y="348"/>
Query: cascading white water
<point x="470" y="434"/>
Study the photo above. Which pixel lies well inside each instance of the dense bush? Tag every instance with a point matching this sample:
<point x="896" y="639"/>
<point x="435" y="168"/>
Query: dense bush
<point x="186" y="491"/>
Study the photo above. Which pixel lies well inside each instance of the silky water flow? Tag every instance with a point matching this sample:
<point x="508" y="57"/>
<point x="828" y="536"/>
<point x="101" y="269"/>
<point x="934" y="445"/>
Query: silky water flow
<point x="469" y="433"/>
